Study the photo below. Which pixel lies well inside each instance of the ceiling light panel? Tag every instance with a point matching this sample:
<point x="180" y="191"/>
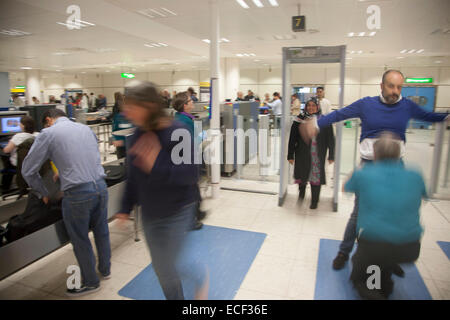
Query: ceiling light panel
<point x="243" y="4"/>
<point x="14" y="32"/>
<point x="273" y="3"/>
<point x="161" y="12"/>
<point x="258" y="3"/>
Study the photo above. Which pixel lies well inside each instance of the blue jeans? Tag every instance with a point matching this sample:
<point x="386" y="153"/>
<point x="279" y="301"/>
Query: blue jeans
<point x="85" y="207"/>
<point x="165" y="239"/>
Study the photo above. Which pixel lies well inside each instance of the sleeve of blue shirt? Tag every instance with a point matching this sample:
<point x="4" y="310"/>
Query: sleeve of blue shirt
<point x="32" y="163"/>
<point x="421" y="114"/>
<point x="351" y="111"/>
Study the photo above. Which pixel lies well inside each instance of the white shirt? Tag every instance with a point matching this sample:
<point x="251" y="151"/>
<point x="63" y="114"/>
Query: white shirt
<point x="325" y="106"/>
<point x="17" y="139"/>
<point x="84" y="102"/>
<point x="276" y="106"/>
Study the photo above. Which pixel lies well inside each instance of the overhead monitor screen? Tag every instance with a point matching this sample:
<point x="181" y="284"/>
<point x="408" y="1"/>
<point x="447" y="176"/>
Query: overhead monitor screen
<point x="10" y="124"/>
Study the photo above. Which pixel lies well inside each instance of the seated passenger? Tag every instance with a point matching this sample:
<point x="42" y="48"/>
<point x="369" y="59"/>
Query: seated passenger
<point x="27" y="126"/>
<point x="388" y="224"/>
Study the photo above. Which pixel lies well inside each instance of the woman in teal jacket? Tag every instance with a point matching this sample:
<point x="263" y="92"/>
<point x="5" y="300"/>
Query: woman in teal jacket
<point x="184" y="105"/>
<point x="119" y="122"/>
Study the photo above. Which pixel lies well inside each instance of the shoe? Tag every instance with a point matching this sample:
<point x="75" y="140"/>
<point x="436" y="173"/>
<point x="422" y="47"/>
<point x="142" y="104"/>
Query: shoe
<point x="201" y="215"/>
<point x="82" y="291"/>
<point x="106" y="277"/>
<point x="387" y="288"/>
<point x="198" y="225"/>
<point x="367" y="293"/>
<point x="339" y="261"/>
<point x="313" y="205"/>
<point x="302" y="191"/>
<point x="398" y="271"/>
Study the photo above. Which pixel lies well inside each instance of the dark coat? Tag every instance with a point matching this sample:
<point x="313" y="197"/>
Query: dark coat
<point x="299" y="151"/>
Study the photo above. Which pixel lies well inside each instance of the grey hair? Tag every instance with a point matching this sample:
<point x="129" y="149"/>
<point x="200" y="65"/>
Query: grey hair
<point x="387" y="147"/>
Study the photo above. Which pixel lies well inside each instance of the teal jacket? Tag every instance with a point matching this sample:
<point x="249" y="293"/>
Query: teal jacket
<point x="186" y="120"/>
<point x="389" y="202"/>
<point x="120" y="123"/>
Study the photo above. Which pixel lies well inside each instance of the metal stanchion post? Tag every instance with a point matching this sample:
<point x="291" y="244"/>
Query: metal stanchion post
<point x="437" y="153"/>
<point x="137" y="210"/>
<point x="447" y="164"/>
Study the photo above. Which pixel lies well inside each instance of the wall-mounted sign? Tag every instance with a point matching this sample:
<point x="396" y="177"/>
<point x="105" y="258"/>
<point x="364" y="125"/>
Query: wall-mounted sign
<point x="128" y="75"/>
<point x="419" y="80"/>
<point x="298" y="23"/>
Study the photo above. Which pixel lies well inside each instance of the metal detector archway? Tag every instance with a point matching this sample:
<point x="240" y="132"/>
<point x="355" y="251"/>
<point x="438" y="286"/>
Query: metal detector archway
<point x="294" y="55"/>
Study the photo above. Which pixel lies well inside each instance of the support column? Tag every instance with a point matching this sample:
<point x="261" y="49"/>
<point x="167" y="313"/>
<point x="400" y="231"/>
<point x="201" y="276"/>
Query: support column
<point x="5" y="89"/>
<point x="231" y="78"/>
<point x="215" y="99"/>
<point x="33" y="80"/>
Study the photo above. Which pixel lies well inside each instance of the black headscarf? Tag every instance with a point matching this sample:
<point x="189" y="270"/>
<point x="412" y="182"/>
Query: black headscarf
<point x="305" y="114"/>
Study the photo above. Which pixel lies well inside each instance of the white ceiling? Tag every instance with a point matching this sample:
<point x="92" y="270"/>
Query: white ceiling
<point x="116" y="42"/>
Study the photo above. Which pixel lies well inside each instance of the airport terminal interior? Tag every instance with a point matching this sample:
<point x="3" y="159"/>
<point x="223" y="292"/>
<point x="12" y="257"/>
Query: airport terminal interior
<point x="259" y="240"/>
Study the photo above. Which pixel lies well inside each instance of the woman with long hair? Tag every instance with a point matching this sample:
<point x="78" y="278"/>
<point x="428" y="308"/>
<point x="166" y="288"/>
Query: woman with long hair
<point x="308" y="155"/>
<point x="165" y="191"/>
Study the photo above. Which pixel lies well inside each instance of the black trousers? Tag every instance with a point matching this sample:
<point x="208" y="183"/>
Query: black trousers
<point x="121" y="152"/>
<point x="8" y="172"/>
<point x="384" y="255"/>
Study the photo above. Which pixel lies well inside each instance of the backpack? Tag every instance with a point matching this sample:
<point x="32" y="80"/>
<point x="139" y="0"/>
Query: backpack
<point x="115" y="174"/>
<point x="37" y="215"/>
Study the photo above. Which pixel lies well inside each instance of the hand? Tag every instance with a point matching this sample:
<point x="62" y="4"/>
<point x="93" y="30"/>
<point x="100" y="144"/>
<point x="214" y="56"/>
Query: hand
<point x="291" y="161"/>
<point x="146" y="150"/>
<point x="308" y="130"/>
<point x="122" y="219"/>
<point x="118" y="143"/>
<point x="45" y="200"/>
<point x="55" y="177"/>
<point x="330" y="161"/>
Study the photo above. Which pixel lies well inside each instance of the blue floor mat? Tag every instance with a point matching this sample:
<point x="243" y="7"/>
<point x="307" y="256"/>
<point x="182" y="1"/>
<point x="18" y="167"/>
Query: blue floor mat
<point x="228" y="254"/>
<point x="335" y="285"/>
<point x="445" y="246"/>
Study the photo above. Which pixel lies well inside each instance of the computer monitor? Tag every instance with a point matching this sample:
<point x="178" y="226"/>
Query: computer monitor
<point x="10" y="123"/>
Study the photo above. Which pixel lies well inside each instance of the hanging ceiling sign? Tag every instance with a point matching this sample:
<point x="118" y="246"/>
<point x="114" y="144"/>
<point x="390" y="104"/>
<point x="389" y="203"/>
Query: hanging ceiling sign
<point x="298" y="23"/>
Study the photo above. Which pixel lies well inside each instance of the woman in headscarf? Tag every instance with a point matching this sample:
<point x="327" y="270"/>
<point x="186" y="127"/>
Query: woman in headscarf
<point x="308" y="155"/>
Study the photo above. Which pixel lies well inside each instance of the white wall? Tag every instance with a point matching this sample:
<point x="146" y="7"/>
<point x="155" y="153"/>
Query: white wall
<point x="359" y="82"/>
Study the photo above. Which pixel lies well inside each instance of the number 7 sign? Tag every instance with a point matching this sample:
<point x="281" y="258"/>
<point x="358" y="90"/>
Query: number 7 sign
<point x="298" y="23"/>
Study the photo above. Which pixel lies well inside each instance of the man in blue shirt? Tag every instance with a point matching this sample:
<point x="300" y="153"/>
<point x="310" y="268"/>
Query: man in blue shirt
<point x="73" y="148"/>
<point x="387" y="112"/>
<point x="388" y="227"/>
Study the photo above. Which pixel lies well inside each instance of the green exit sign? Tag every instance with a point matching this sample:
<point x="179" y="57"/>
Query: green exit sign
<point x="419" y="80"/>
<point x="128" y="75"/>
<point x="21" y="87"/>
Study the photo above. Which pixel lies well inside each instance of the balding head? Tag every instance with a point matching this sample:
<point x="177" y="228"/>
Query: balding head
<point x="391" y="72"/>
